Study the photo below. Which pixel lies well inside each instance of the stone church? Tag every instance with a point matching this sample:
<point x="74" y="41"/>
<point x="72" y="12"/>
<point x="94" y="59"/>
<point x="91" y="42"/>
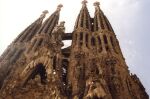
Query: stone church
<point x="35" y="66"/>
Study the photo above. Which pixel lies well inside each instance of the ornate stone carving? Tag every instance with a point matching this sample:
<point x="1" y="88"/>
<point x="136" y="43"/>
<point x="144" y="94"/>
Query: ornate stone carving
<point x="79" y="71"/>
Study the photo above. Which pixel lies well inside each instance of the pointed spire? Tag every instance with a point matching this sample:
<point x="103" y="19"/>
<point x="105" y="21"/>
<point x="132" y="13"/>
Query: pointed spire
<point x="51" y="22"/>
<point x="31" y="30"/>
<point x="83" y="19"/>
<point x="100" y="20"/>
<point x="96" y="4"/>
<point x="59" y="7"/>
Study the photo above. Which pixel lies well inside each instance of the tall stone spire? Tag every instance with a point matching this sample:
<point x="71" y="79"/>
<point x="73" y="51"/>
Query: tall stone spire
<point x="100" y="20"/>
<point x="51" y="22"/>
<point x="26" y="35"/>
<point x="17" y="47"/>
<point x="83" y="20"/>
<point x="44" y="33"/>
<point x="31" y="30"/>
<point x="93" y="66"/>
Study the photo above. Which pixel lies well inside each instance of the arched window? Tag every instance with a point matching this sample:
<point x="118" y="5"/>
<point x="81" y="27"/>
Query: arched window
<point x="40" y="70"/>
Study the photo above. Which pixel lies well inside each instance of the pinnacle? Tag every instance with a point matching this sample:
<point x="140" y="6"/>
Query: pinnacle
<point x="59" y="7"/>
<point x="96" y="4"/>
<point x="44" y="13"/>
<point x="84" y="2"/>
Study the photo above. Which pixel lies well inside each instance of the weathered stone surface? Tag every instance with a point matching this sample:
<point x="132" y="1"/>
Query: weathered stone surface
<point x="36" y="67"/>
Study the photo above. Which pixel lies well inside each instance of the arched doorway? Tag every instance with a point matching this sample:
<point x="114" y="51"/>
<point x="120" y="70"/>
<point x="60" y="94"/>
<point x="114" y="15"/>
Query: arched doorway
<point x="39" y="70"/>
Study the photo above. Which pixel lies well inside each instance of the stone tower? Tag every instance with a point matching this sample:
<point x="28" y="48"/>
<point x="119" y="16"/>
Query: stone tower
<point x="34" y="66"/>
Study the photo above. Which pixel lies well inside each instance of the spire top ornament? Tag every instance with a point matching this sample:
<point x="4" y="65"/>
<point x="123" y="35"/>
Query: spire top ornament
<point x="59" y="7"/>
<point x="84" y="2"/>
<point x="96" y="4"/>
<point x="44" y="14"/>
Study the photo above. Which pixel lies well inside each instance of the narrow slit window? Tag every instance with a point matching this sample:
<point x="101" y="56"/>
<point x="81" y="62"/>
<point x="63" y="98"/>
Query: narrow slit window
<point x="87" y="22"/>
<point x="86" y="39"/>
<point x="112" y="42"/>
<point x="93" y="41"/>
<point x="87" y="36"/>
<point x="40" y="42"/>
<point x="92" y="24"/>
<point x="54" y="63"/>
<point x="99" y="40"/>
<point x="105" y="39"/>
<point x="81" y="36"/>
<point x="100" y="44"/>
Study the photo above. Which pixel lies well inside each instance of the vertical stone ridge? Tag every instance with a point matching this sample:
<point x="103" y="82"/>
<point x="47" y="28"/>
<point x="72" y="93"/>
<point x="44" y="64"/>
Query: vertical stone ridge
<point x="100" y="20"/>
<point x="50" y="22"/>
<point x="93" y="66"/>
<point x="83" y="20"/>
<point x="17" y="47"/>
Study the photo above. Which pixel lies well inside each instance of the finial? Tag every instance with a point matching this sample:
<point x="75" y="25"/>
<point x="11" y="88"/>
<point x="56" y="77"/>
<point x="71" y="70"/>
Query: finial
<point x="44" y="14"/>
<point x="59" y="7"/>
<point x="84" y="2"/>
<point x="96" y="4"/>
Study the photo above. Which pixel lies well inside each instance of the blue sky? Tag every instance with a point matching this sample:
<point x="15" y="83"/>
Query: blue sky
<point x="129" y="18"/>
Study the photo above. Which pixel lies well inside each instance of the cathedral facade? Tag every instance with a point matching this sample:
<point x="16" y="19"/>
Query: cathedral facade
<point x="35" y="66"/>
